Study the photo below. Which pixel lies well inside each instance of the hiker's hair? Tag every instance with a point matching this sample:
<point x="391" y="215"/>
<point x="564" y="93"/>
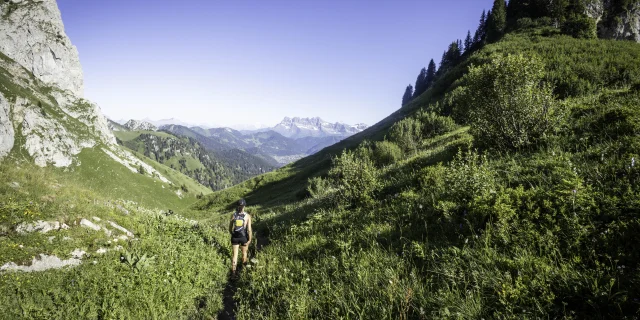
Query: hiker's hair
<point x="239" y="208"/>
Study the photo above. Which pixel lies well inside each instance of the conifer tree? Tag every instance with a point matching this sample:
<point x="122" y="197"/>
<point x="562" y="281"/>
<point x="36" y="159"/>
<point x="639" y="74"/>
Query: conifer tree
<point x="478" y="38"/>
<point x="421" y="83"/>
<point x="431" y="73"/>
<point x="408" y="94"/>
<point x="497" y="21"/>
<point x="468" y="42"/>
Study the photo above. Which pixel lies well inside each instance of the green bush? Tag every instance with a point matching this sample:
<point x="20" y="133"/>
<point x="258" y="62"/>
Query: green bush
<point x="386" y="153"/>
<point x="356" y="179"/>
<point x="407" y="134"/>
<point x="581" y="27"/>
<point x="524" y="23"/>
<point x="434" y="124"/>
<point x="511" y="107"/>
<point x="319" y="187"/>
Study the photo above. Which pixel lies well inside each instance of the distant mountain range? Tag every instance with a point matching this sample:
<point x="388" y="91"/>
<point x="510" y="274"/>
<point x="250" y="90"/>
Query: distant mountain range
<point x="315" y="127"/>
<point x="288" y="141"/>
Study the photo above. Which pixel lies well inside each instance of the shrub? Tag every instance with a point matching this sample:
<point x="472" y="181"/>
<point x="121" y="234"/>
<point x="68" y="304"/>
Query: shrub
<point x="510" y="106"/>
<point x="141" y="170"/>
<point x="435" y="125"/>
<point x="356" y="178"/>
<point x="543" y="22"/>
<point x="386" y="153"/>
<point x="318" y="187"/>
<point x="407" y="133"/>
<point x="581" y="27"/>
<point x="524" y="23"/>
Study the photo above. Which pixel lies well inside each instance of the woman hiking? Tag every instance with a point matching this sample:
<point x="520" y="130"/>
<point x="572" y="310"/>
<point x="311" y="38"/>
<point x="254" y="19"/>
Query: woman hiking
<point x="240" y="229"/>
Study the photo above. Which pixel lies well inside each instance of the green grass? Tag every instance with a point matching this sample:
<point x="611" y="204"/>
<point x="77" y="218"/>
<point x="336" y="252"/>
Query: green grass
<point x="183" y="276"/>
<point x="100" y="173"/>
<point x="545" y="232"/>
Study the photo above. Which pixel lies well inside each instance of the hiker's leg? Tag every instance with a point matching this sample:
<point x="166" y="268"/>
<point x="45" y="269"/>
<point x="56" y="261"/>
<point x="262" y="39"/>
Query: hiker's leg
<point x="234" y="258"/>
<point x="245" y="249"/>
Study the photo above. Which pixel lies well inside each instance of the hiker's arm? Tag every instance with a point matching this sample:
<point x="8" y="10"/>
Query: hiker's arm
<point x="250" y="232"/>
<point x="231" y="225"/>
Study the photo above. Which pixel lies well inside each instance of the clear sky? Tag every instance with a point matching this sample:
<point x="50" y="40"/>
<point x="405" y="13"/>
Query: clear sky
<point x="228" y="63"/>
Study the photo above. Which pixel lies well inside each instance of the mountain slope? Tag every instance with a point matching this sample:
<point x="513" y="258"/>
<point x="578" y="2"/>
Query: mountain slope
<point x="81" y="218"/>
<point x="214" y="169"/>
<point x="577" y="66"/>
<point x="437" y="221"/>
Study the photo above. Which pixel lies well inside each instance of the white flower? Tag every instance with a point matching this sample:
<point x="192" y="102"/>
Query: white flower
<point x="95" y="262"/>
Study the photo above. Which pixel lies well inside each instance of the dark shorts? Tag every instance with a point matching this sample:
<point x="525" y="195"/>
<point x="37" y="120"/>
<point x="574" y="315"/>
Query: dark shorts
<point x="241" y="241"/>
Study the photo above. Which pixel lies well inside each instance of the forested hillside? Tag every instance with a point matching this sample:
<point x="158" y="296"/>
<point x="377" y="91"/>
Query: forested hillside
<point x="507" y="189"/>
<point x="216" y="169"/>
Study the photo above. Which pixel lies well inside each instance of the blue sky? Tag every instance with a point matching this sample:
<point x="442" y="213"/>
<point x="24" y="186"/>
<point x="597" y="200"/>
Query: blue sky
<point x="235" y="63"/>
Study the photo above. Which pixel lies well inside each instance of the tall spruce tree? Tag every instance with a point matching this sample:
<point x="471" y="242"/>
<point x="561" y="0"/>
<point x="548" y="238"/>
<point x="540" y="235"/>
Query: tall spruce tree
<point x="421" y="83"/>
<point x="468" y="42"/>
<point x="497" y="21"/>
<point x="479" y="36"/>
<point x="408" y="95"/>
<point x="431" y="73"/>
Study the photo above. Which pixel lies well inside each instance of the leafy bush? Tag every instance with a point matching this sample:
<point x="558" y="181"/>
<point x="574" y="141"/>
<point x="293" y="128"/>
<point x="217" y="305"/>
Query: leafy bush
<point x="511" y="107"/>
<point x="356" y="178"/>
<point x="386" y="153"/>
<point x="524" y="23"/>
<point x="407" y="133"/>
<point x="319" y="187"/>
<point x="581" y="27"/>
<point x="434" y="124"/>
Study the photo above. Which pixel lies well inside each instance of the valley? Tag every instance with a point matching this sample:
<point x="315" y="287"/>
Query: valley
<point x="505" y="186"/>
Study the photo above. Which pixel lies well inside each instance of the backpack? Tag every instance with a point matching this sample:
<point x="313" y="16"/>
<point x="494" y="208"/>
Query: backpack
<point x="239" y="223"/>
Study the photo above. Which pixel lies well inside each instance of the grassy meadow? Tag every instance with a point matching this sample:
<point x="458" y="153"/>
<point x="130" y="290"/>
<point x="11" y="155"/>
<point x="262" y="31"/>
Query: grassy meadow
<point x="476" y="204"/>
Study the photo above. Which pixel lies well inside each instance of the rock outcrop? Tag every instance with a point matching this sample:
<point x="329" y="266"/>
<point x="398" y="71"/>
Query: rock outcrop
<point x="135" y="125"/>
<point x="615" y="23"/>
<point x="32" y="34"/>
<point x="7" y="134"/>
<point x="43" y="100"/>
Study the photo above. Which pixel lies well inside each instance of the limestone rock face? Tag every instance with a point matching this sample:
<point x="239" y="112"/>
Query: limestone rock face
<point x="7" y="135"/>
<point x="44" y="99"/>
<point x="135" y="125"/>
<point x="623" y="26"/>
<point x="86" y="112"/>
<point x="32" y="34"/>
<point x="47" y="141"/>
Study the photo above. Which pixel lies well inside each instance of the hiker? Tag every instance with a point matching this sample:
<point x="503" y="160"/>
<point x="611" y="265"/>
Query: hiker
<point x="240" y="229"/>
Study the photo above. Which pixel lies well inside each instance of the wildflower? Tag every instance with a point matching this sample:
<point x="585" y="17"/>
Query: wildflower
<point x="390" y="282"/>
<point x="420" y="206"/>
<point x="633" y="162"/>
<point x="95" y="262"/>
<point x="308" y="279"/>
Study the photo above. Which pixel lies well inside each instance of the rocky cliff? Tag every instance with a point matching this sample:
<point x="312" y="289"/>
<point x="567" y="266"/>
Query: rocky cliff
<point x="616" y="19"/>
<point x="135" y="125"/>
<point x="32" y="34"/>
<point x="41" y="102"/>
